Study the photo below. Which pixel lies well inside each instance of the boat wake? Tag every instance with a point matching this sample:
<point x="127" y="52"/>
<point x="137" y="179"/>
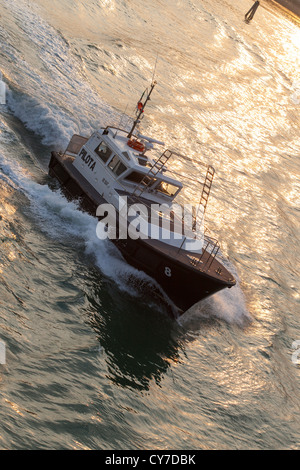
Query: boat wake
<point x="228" y="305"/>
<point x="39" y="111"/>
<point x="63" y="220"/>
<point x="55" y="84"/>
<point x="47" y="121"/>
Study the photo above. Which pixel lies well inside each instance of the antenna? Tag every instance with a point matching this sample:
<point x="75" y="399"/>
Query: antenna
<point x="154" y="70"/>
<point x="141" y="106"/>
<point x="121" y="119"/>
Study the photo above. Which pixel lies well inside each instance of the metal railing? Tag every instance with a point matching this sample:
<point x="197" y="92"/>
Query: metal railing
<point x="209" y="252"/>
<point x="211" y="249"/>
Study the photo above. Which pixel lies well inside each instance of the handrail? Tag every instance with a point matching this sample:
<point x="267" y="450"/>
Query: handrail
<point x="210" y="242"/>
<point x="209" y="253"/>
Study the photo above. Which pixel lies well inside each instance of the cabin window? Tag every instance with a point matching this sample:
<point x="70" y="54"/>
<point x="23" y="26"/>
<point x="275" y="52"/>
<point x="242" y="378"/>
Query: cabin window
<point x="167" y="188"/>
<point x="117" y="166"/>
<point x="126" y="155"/>
<point x="120" y="169"/>
<point x="136" y="177"/>
<point x="103" y="151"/>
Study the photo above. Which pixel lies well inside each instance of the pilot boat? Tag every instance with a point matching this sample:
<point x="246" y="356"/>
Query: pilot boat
<point x="115" y="177"/>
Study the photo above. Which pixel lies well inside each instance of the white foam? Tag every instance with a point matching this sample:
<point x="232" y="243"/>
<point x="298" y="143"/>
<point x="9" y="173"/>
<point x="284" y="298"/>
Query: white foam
<point x="54" y="99"/>
<point x="60" y="80"/>
<point x="228" y="305"/>
<point x="6" y="134"/>
<point x="49" y="122"/>
<point x="62" y="220"/>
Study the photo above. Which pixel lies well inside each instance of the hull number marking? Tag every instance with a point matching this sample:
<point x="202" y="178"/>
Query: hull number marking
<point x="168" y="271"/>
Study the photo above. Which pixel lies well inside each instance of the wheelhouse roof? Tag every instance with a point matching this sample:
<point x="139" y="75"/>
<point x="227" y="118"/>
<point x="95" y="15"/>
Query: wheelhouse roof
<point x="117" y="140"/>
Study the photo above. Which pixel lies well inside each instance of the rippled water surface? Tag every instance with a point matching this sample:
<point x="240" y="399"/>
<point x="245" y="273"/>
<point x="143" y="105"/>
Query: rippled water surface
<point x="92" y="361"/>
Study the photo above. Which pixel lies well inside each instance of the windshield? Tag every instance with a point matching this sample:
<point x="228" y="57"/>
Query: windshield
<point x="167" y="188"/>
<point x="136" y="177"/>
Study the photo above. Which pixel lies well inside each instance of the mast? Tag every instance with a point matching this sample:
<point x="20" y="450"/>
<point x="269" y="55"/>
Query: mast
<point x="141" y="107"/>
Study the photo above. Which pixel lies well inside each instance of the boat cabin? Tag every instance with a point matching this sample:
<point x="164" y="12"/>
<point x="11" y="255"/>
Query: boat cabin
<point x="110" y="160"/>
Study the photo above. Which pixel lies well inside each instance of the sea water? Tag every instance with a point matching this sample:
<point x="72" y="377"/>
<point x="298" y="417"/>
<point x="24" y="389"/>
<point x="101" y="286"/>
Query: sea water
<point x="89" y="360"/>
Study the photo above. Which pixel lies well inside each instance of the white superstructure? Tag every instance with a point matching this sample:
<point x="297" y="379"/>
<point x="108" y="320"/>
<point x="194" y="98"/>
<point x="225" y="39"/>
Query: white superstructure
<point x="118" y="166"/>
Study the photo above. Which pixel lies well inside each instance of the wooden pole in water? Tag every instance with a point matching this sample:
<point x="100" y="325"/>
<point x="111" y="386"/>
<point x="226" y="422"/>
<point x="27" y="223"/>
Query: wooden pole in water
<point x="250" y="14"/>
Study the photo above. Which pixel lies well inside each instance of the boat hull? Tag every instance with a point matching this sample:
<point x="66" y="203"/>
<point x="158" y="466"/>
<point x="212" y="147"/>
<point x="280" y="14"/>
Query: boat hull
<point x="183" y="287"/>
<point x="180" y="281"/>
